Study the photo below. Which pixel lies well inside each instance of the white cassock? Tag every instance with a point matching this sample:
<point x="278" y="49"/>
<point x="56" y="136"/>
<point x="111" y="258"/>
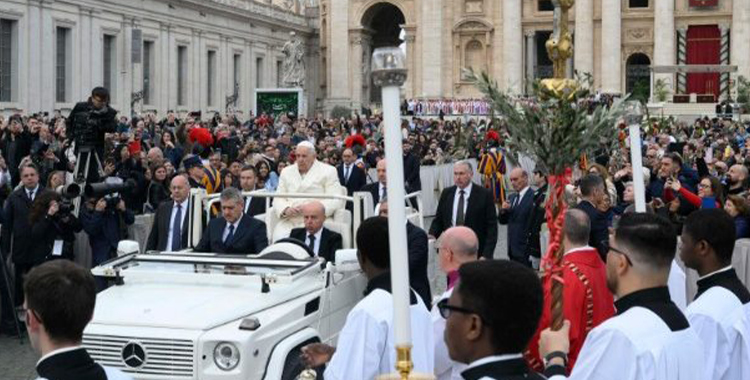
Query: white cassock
<point x="719" y="315"/>
<point x="366" y="346"/>
<point x="320" y="179"/>
<point x="676" y="284"/>
<point x="445" y="368"/>
<point x="649" y="339"/>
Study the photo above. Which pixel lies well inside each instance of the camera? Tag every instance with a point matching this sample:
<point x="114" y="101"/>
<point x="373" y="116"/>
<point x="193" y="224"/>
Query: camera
<point x="89" y="126"/>
<point x="110" y="190"/>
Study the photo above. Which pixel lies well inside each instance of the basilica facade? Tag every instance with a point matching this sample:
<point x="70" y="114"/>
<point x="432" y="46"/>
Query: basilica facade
<point x="616" y="41"/>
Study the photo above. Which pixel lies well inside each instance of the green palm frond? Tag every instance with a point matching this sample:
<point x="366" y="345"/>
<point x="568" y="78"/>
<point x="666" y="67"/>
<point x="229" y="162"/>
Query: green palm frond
<point x="553" y="132"/>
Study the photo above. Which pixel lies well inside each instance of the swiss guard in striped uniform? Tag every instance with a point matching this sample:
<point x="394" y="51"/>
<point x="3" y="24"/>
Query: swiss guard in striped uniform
<point x="492" y="167"/>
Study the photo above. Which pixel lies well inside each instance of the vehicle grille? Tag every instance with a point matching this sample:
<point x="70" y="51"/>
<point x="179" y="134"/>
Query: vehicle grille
<point x="164" y="357"/>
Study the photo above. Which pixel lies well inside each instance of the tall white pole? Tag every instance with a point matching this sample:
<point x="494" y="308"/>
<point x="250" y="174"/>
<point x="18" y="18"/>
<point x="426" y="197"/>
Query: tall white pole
<point x="389" y="71"/>
<point x="633" y="118"/>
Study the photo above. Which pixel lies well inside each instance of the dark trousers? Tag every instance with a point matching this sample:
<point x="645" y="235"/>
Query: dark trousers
<point x="6" y="305"/>
<point x="21" y="270"/>
<point x="523" y="260"/>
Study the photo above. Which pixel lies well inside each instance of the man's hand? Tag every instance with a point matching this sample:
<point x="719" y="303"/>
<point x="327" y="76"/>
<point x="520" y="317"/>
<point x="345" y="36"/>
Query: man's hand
<point x="101" y="205"/>
<point x="121" y="205"/>
<point x="317" y="354"/>
<point x="291" y="212"/>
<point x="551" y="341"/>
<point x="53" y="208"/>
<point x="505" y="205"/>
<point x="109" y="168"/>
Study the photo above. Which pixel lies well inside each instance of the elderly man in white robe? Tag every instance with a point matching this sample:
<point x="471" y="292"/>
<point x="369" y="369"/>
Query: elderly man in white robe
<point x="307" y="175"/>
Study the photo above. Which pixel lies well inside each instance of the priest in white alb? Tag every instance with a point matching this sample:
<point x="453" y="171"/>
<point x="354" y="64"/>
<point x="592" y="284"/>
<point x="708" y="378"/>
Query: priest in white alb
<point x="720" y="311"/>
<point x="307" y="175"/>
<point x="649" y="338"/>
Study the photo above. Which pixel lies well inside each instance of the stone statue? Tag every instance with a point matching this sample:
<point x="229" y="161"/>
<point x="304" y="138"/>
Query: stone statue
<point x="294" y="62"/>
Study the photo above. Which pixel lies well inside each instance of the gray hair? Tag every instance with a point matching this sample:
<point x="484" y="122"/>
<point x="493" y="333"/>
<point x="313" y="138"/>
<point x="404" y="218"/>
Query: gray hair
<point x="231" y="194"/>
<point x="465" y="163"/>
<point x="577" y="226"/>
<point x="308" y="145"/>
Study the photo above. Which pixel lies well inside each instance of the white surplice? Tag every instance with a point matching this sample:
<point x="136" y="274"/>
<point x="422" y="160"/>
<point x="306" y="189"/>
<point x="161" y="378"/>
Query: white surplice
<point x="366" y="346"/>
<point x="639" y="345"/>
<point x="720" y="319"/>
<point x="445" y="368"/>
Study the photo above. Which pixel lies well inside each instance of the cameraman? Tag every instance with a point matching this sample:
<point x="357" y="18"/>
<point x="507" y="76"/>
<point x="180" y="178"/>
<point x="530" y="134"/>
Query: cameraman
<point x="105" y="220"/>
<point x="86" y="126"/>
<point x="53" y="228"/>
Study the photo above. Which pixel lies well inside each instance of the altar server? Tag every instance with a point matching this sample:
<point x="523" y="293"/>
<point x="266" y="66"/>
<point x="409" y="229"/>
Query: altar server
<point x="720" y="312"/>
<point x="649" y="338"/>
<point x="365" y="347"/>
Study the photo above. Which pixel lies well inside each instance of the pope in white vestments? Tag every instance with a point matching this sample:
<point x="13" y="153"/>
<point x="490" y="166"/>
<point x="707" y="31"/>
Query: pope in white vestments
<point x="307" y="175"/>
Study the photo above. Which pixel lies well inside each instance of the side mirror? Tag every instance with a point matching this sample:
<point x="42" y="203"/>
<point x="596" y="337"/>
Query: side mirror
<point x="346" y="260"/>
<point x="127" y="247"/>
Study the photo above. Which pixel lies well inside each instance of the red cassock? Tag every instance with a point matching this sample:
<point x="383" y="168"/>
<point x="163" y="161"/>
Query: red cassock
<point x="587" y="302"/>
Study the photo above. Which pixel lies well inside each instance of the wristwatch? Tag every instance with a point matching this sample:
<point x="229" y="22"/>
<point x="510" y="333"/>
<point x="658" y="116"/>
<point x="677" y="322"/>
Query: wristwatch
<point x="556" y="354"/>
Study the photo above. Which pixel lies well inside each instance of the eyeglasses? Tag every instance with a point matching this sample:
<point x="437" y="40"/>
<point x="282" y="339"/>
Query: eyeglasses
<point x="446" y="310"/>
<point x="615" y="250"/>
<point x="704" y="186"/>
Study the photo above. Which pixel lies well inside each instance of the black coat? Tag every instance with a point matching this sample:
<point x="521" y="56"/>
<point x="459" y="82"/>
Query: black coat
<point x="599" y="235"/>
<point x="257" y="206"/>
<point x="330" y="242"/>
<point x="411" y="173"/>
<point x="519" y="221"/>
<point x="45" y="231"/>
<point x="16" y="229"/>
<point x="416" y="240"/>
<point x="159" y="235"/>
<point x="512" y="369"/>
<point x="357" y="178"/>
<point x="374" y="189"/>
<point x="480" y="216"/>
<point x="250" y="237"/>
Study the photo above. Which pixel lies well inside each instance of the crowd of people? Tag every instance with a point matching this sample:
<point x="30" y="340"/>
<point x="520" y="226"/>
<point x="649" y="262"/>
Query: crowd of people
<point x="494" y="320"/>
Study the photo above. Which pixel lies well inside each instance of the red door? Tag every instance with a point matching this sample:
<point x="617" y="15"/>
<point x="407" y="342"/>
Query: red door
<point x="703" y="48"/>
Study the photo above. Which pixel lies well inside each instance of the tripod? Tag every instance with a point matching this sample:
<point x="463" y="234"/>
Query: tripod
<point x="82" y="173"/>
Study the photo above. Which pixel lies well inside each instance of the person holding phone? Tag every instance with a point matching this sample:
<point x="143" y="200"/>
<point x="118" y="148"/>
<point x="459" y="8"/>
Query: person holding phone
<point x="710" y="192"/>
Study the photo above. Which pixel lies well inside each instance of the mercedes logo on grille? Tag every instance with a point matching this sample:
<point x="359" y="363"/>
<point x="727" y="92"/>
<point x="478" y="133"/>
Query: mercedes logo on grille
<point x="134" y="355"/>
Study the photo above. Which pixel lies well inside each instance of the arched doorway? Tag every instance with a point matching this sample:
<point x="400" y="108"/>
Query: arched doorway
<point x="637" y="77"/>
<point x="383" y="22"/>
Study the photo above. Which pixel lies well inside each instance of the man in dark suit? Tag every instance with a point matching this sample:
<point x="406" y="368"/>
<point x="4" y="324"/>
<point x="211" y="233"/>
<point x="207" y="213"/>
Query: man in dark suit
<point x="322" y="241"/>
<point x="351" y="176"/>
<point x="412" y="180"/>
<point x="467" y="204"/>
<point x="490" y="318"/>
<point x="170" y="229"/>
<point x="233" y="232"/>
<point x="592" y="193"/>
<point x="16" y="231"/>
<point x="517" y="213"/>
<point x="377" y="189"/>
<point x="416" y="246"/>
<point x="253" y="205"/>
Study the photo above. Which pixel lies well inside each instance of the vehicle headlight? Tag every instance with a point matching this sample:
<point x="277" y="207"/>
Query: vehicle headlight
<point x="226" y="356"/>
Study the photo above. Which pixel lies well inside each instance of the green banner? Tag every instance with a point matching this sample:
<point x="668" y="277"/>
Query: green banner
<point x="277" y="103"/>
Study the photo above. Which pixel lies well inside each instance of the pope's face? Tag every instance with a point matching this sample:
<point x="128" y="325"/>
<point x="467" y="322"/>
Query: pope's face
<point x="305" y="159"/>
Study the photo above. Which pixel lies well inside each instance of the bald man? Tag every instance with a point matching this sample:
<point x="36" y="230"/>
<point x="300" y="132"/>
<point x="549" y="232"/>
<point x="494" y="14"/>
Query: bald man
<point x="516" y="212"/>
<point x="307" y="175"/>
<point x="322" y="241"/>
<point x="457" y="246"/>
<point x="377" y="189"/>
<point x="169" y="231"/>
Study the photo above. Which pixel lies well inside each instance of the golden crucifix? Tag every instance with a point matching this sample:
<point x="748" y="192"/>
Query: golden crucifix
<point x="560" y="49"/>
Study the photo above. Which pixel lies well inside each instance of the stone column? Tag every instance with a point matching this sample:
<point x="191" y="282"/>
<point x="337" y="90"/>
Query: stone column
<point x="681" y="37"/>
<point x="664" y="39"/>
<point x="33" y="83"/>
<point x="411" y="62"/>
<point x="84" y="70"/>
<point x="166" y="69"/>
<point x="740" y="51"/>
<point x="530" y="60"/>
<point x="125" y="78"/>
<point x="724" y="78"/>
<point x="338" y="61"/>
<point x="358" y="71"/>
<point x="612" y="46"/>
<point x="584" y="37"/>
<point x="513" y="46"/>
<point x="431" y="29"/>
<point x="47" y="84"/>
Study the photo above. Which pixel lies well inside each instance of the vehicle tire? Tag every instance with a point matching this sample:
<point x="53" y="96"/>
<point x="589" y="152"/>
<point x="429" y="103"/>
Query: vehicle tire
<point x="293" y="365"/>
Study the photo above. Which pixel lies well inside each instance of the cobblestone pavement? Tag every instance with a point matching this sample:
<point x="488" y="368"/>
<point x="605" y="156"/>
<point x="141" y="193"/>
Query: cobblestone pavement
<point x="17" y="361"/>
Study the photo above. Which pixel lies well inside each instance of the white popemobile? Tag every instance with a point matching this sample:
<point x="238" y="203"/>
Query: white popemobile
<point x="185" y="315"/>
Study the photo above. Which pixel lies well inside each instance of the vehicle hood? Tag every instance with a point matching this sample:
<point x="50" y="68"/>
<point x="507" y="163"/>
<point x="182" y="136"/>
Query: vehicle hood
<point x="197" y="307"/>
